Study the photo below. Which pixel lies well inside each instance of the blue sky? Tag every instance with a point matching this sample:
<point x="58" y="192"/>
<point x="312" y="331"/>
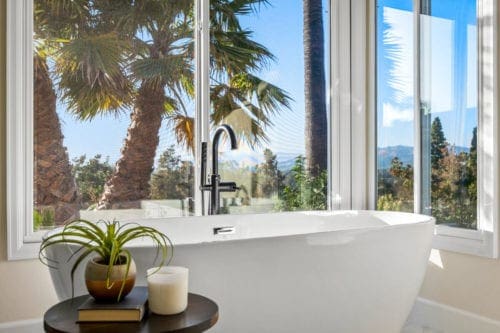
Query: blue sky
<point x="279" y="27"/>
<point x="448" y="69"/>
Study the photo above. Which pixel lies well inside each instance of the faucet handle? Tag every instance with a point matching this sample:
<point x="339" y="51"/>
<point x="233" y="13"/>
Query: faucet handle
<point x="228" y="187"/>
<point x="203" y="168"/>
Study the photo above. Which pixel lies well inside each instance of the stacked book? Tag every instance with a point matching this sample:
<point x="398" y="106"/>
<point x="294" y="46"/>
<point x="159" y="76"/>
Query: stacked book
<point x="131" y="308"/>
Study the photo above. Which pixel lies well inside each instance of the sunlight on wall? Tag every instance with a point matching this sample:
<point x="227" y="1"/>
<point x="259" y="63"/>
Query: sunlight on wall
<point x="435" y="258"/>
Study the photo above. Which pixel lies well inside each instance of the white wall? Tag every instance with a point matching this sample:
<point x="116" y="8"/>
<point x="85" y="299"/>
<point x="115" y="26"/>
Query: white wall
<point x="25" y="287"/>
<point x="466" y="282"/>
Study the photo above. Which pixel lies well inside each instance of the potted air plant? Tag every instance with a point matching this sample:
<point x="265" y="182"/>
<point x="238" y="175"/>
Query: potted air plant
<point x="111" y="274"/>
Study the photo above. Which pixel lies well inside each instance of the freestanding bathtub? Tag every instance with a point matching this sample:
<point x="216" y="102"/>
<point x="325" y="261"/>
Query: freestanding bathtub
<point x="341" y="271"/>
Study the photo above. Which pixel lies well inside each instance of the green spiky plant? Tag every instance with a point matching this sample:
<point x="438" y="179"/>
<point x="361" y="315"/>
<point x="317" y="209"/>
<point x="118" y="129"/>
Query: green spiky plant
<point x="108" y="240"/>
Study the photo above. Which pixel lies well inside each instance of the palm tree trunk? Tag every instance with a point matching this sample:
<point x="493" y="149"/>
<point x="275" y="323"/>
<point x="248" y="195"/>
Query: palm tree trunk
<point x="54" y="183"/>
<point x="130" y="181"/>
<point x="316" y="126"/>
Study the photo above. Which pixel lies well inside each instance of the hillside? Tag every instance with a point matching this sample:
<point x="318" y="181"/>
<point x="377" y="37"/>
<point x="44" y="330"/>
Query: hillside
<point x="404" y="153"/>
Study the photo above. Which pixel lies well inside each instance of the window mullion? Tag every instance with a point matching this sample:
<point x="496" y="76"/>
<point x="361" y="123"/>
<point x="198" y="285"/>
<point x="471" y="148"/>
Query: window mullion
<point x="488" y="151"/>
<point x="424" y="114"/>
<point x="371" y="108"/>
<point x="340" y="137"/>
<point x="202" y="92"/>
<point x="417" y="145"/>
<point x="360" y="155"/>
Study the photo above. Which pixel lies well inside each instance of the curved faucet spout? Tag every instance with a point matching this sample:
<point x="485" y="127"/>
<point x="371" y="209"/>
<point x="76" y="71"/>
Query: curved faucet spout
<point x="215" y="145"/>
<point x="216" y="185"/>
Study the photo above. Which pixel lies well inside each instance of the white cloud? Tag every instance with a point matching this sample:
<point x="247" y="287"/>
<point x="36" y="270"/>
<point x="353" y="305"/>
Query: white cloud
<point x="437" y="61"/>
<point x="391" y="113"/>
<point x="398" y="40"/>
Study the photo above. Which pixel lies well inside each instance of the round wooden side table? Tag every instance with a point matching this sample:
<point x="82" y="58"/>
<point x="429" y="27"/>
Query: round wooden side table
<point x="201" y="314"/>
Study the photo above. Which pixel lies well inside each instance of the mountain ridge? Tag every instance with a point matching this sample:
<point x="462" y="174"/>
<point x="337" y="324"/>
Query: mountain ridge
<point x="404" y="153"/>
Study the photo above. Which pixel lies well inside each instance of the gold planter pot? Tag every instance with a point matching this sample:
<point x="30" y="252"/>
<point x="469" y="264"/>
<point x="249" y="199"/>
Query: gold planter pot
<point x="95" y="279"/>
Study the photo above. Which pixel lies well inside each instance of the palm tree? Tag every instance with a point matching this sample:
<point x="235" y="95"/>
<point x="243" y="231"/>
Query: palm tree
<point x="139" y="54"/>
<point x="54" y="184"/>
<point x="161" y="67"/>
<point x="316" y="127"/>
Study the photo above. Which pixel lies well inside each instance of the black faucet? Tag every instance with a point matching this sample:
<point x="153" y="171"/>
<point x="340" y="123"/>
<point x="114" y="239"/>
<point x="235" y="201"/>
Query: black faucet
<point x="216" y="186"/>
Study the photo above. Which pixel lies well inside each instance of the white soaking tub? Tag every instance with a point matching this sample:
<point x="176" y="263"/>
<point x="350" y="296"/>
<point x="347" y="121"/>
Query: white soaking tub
<point x="341" y="271"/>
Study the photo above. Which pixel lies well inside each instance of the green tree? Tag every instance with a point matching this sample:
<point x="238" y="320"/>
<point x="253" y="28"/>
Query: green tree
<point x="267" y="178"/>
<point x="453" y="182"/>
<point x="304" y="191"/>
<point x="454" y="179"/>
<point x="472" y="167"/>
<point x="173" y="178"/>
<point x="440" y="193"/>
<point x="438" y="143"/>
<point x="389" y="202"/>
<point x="452" y="203"/>
<point x="398" y="188"/>
<point x="471" y="181"/>
<point x="91" y="175"/>
<point x="403" y="179"/>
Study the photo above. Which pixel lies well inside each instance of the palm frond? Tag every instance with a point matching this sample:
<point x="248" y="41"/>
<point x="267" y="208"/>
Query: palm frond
<point x="183" y="127"/>
<point x="235" y="51"/>
<point x="160" y="71"/>
<point x="92" y="75"/>
<point x="224" y="13"/>
<point x="269" y="97"/>
<point x="170" y="105"/>
<point x="60" y="18"/>
<point x="247" y="103"/>
<point x="247" y="127"/>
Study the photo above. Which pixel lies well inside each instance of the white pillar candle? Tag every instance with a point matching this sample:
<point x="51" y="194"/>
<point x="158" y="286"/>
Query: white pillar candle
<point x="168" y="289"/>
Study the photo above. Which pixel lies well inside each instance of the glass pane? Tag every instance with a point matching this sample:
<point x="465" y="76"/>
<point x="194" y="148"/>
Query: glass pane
<point x="268" y="83"/>
<point x="113" y="106"/>
<point x="448" y="61"/>
<point x="395" y="93"/>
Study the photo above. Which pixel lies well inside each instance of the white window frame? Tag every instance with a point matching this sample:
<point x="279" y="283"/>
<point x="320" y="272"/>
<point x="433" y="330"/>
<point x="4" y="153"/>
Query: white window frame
<point x="19" y="101"/>
<point x="352" y="138"/>
<point x="483" y="241"/>
<point x="22" y="242"/>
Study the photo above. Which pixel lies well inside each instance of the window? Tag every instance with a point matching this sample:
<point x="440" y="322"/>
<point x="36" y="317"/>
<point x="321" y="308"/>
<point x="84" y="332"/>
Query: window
<point x="110" y="114"/>
<point x="113" y="110"/>
<point x="374" y="64"/>
<point x="434" y="129"/>
<point x="449" y="112"/>
<point x="395" y="105"/>
<point x="270" y="104"/>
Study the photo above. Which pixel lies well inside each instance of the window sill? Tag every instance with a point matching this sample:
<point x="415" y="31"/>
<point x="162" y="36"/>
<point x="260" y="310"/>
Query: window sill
<point x="35" y="237"/>
<point x="28" y="248"/>
<point x="465" y="241"/>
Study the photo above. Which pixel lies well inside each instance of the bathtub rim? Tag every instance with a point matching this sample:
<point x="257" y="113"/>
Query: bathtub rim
<point x="138" y="243"/>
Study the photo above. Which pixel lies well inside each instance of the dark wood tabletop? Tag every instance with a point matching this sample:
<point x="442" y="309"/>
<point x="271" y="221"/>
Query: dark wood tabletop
<point x="201" y="314"/>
